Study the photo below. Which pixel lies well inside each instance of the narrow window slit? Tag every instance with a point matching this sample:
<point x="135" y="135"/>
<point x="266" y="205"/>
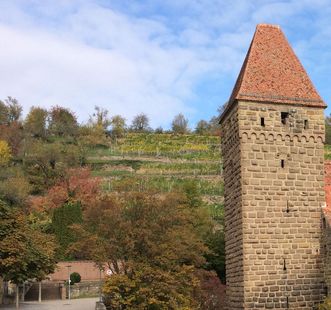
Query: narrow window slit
<point x="284" y="268"/>
<point x="282" y="163"/>
<point x="323" y="223"/>
<point x="305" y="124"/>
<point x="287" y="303"/>
<point x="287" y="207"/>
<point x="284" y="116"/>
<point x="262" y="122"/>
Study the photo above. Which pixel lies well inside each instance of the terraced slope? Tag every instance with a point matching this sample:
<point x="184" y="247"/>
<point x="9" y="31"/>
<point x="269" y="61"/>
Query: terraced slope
<point x="162" y="163"/>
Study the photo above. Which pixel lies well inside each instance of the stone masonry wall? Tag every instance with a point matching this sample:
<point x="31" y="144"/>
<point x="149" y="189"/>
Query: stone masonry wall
<point x="282" y="177"/>
<point x="326" y="229"/>
<point x="233" y="210"/>
<point x="327" y="257"/>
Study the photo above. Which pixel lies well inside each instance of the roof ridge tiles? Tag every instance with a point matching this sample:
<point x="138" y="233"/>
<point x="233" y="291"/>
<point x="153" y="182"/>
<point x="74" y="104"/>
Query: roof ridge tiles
<point x="268" y="25"/>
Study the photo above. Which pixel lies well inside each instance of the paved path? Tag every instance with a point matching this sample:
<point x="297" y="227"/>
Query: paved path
<point x="74" y="304"/>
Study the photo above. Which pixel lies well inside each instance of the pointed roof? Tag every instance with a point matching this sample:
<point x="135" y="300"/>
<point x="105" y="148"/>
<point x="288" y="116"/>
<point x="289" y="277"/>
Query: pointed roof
<point x="272" y="72"/>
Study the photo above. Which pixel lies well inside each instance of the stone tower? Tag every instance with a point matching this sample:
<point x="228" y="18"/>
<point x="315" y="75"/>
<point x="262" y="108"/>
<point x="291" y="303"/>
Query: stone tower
<point x="272" y="147"/>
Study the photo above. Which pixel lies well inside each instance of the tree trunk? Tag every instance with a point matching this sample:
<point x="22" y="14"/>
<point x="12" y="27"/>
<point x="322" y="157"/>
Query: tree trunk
<point x="17" y="297"/>
<point x="39" y="295"/>
<point x="23" y="293"/>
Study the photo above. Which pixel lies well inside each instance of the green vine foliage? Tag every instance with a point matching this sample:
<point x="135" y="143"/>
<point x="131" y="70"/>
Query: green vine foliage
<point x="63" y="217"/>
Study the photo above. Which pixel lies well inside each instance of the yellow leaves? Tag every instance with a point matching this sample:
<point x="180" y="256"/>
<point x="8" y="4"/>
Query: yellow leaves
<point x="326" y="305"/>
<point x="15" y="189"/>
<point x="5" y="153"/>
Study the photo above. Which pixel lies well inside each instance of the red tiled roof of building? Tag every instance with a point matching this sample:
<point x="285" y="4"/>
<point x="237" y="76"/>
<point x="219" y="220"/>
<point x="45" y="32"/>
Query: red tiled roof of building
<point x="272" y="72"/>
<point x="327" y="186"/>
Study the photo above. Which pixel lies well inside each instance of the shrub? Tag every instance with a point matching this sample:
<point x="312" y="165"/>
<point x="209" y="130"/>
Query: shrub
<point x="75" y="278"/>
<point x="326" y="305"/>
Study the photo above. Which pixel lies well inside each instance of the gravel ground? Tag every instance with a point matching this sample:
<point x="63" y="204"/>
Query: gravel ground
<point x="74" y="304"/>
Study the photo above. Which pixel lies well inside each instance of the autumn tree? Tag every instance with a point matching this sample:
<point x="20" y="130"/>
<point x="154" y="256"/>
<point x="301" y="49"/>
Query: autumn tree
<point x="11" y="129"/>
<point x="150" y="244"/>
<point x="94" y="133"/>
<point x="62" y="122"/>
<point x="14" y="188"/>
<point x="179" y="124"/>
<point x="100" y="118"/>
<point x="202" y="128"/>
<point x="158" y="130"/>
<point x="5" y="153"/>
<point x="78" y="186"/>
<point x="13" y="134"/>
<point x="214" y="126"/>
<point x="92" y="136"/>
<point x="3" y="113"/>
<point x="10" y="111"/>
<point x="118" y="126"/>
<point x="14" y="110"/>
<point x="140" y="123"/>
<point x="326" y="305"/>
<point x="46" y="163"/>
<point x="35" y="122"/>
<point x="25" y="253"/>
<point x="328" y="130"/>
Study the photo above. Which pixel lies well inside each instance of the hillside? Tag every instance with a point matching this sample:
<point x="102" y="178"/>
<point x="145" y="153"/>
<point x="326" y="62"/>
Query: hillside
<point x="162" y="163"/>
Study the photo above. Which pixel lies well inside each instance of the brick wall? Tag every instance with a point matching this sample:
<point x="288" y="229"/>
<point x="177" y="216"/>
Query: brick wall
<point x="87" y="270"/>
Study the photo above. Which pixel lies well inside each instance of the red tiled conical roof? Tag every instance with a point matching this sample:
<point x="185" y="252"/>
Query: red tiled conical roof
<point x="272" y="72"/>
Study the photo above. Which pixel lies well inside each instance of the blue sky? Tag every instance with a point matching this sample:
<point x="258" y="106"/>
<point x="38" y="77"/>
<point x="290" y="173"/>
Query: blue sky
<point x="153" y="56"/>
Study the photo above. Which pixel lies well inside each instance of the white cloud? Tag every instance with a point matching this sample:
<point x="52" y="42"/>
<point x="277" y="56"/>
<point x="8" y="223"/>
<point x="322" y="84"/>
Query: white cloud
<point x="131" y="58"/>
<point x="123" y="70"/>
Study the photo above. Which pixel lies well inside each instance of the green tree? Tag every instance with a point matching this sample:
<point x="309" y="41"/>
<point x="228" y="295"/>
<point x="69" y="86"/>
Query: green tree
<point x="62" y="122"/>
<point x="179" y="124"/>
<point x="35" y="122"/>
